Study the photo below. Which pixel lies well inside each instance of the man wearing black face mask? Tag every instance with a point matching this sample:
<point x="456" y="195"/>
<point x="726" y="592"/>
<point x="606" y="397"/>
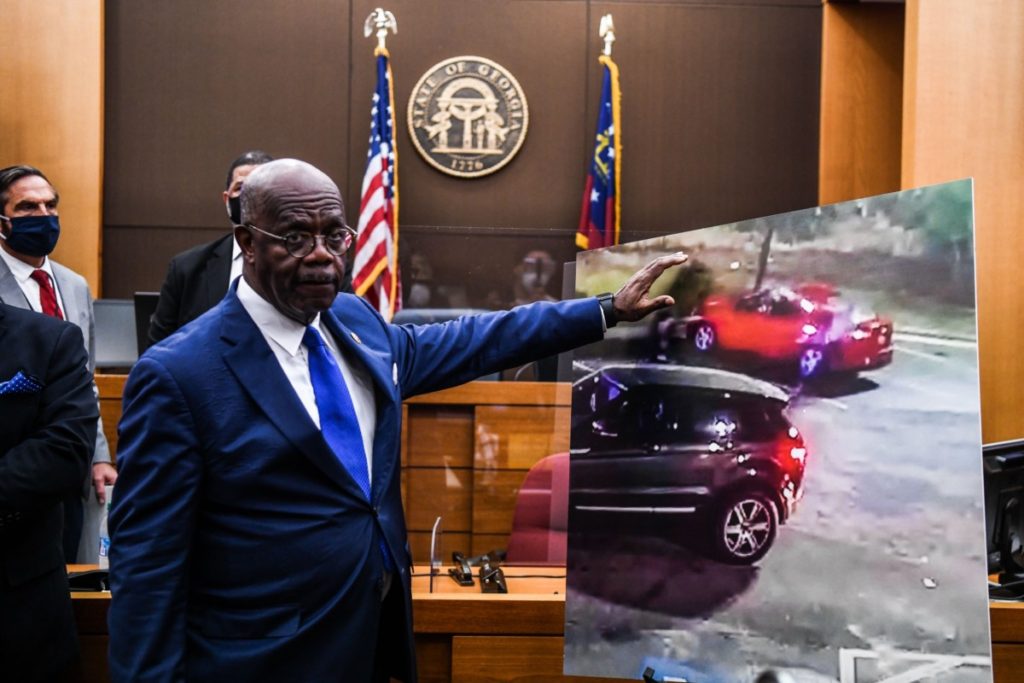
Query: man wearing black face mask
<point x="29" y="229"/>
<point x="198" y="278"/>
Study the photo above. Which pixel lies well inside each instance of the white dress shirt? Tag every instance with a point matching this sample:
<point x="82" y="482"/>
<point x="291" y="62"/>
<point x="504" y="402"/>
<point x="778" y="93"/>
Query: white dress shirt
<point x="284" y="336"/>
<point x="236" y="261"/>
<point x="22" y="273"/>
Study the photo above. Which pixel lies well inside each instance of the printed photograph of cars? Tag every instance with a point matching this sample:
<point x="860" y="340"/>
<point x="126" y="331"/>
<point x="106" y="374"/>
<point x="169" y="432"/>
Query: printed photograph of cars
<point x="782" y="472"/>
<point x="652" y="446"/>
<point x="808" y="327"/>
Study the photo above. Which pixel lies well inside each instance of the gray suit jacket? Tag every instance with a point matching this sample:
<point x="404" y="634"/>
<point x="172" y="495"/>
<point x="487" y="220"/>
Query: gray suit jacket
<point x="77" y="300"/>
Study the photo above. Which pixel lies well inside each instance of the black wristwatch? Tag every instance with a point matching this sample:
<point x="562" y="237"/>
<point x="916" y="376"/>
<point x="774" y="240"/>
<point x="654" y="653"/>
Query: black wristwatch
<point x="607" y="301"/>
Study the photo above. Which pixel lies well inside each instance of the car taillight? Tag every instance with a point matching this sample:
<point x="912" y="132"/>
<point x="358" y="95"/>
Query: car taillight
<point x="792" y="450"/>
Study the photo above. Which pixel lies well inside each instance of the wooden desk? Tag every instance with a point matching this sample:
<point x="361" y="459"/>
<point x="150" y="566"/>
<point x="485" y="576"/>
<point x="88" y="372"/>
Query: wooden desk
<point x="461" y="634"/>
<point x="1008" y="641"/>
<point x="471" y="637"/>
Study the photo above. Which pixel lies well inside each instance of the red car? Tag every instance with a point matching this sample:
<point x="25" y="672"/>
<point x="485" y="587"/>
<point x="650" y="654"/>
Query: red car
<point x="809" y="326"/>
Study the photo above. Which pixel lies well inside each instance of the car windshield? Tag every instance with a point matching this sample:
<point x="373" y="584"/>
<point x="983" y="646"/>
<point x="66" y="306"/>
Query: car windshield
<point x="750" y="304"/>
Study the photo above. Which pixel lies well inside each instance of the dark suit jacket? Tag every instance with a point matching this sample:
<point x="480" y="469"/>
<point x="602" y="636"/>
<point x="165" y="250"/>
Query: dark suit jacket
<point x="46" y="443"/>
<point x="241" y="547"/>
<point x="196" y="281"/>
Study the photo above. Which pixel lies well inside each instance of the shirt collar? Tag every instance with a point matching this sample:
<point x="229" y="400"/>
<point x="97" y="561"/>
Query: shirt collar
<point x="236" y="250"/>
<point x="21" y="270"/>
<point x="274" y="324"/>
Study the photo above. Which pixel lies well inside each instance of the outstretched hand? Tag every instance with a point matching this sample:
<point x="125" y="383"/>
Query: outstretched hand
<point x="632" y="302"/>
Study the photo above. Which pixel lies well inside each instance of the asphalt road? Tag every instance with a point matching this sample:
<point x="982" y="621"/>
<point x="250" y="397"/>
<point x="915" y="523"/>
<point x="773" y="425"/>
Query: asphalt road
<point x="885" y="553"/>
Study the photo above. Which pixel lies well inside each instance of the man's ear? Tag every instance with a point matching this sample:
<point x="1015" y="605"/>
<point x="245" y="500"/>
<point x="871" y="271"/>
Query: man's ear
<point x="224" y="197"/>
<point x="244" y="238"/>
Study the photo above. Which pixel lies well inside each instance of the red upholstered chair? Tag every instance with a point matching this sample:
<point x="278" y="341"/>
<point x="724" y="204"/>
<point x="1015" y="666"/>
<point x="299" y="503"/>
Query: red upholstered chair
<point x="540" y="523"/>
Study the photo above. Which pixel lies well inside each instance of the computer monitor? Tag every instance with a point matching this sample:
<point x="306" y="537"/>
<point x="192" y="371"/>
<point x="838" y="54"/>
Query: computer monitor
<point x="115" y="347"/>
<point x="1004" y="510"/>
<point x="145" y="307"/>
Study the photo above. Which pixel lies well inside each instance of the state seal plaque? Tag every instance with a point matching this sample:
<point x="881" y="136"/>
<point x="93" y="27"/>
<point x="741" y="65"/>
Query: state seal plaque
<point x="468" y="116"/>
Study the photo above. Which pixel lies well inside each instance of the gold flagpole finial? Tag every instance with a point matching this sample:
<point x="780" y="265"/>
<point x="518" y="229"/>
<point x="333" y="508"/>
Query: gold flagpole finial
<point x="607" y="31"/>
<point x="380" y="20"/>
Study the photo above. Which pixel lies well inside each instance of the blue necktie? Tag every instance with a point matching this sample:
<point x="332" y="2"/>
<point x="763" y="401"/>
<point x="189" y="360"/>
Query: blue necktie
<point x="338" y="422"/>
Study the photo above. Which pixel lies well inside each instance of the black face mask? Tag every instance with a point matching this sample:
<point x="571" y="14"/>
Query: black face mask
<point x="33" y="235"/>
<point x="235" y="210"/>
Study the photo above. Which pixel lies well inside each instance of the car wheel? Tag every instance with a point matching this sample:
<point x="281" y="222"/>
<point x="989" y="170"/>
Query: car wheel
<point x="704" y="337"/>
<point x="812" y="362"/>
<point x="745" y="528"/>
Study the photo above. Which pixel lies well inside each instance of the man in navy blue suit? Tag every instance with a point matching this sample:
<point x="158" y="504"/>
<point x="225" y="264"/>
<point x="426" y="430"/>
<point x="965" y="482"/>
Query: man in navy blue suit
<point x="257" y="525"/>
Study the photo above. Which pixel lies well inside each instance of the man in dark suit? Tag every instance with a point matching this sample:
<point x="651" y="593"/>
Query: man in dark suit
<point x="257" y="526"/>
<point x="30" y="279"/>
<point x="47" y="434"/>
<point x="198" y="278"/>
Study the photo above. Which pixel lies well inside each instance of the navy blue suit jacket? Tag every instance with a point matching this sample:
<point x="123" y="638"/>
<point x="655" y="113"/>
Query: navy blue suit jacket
<point x="241" y="548"/>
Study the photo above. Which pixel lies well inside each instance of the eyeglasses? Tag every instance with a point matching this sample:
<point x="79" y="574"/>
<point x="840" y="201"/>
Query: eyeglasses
<point x="301" y="244"/>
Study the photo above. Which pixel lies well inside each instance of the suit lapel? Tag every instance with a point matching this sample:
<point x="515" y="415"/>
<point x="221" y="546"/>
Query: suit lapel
<point x="68" y="295"/>
<point x="10" y="292"/>
<point x="257" y="370"/>
<point x="380" y="372"/>
<point x="218" y="270"/>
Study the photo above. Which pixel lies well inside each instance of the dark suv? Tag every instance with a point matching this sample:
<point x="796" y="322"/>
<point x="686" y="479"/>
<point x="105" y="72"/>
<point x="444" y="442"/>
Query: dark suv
<point x="695" y="443"/>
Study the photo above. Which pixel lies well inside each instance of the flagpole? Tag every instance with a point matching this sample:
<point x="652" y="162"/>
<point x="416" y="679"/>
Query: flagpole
<point x="372" y="278"/>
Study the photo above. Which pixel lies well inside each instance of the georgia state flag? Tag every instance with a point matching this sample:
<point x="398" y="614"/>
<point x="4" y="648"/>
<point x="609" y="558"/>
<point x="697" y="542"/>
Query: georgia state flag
<point x="599" y="218"/>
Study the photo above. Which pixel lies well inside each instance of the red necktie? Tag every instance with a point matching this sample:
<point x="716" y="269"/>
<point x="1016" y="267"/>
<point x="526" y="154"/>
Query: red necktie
<point x="47" y="297"/>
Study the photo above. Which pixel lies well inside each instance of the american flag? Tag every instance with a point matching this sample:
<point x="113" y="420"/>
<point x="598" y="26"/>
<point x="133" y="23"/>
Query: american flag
<point x="375" y="270"/>
<point x="599" y="218"/>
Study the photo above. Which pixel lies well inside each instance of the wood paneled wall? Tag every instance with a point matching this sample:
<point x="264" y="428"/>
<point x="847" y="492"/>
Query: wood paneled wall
<point x="720" y="118"/>
<point x="963" y="115"/>
<point x="861" y="100"/>
<point x="51" y="113"/>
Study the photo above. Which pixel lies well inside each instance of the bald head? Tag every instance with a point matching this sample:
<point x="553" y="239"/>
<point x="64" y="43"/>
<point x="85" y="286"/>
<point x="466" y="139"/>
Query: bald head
<point x="286" y="202"/>
<point x="278" y="181"/>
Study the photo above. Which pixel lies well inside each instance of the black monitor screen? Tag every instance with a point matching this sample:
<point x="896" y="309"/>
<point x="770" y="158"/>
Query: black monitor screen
<point x="1004" y="504"/>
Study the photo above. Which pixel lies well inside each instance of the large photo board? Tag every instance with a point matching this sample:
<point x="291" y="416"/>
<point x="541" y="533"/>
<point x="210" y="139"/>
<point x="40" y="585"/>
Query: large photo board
<point x="783" y="471"/>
